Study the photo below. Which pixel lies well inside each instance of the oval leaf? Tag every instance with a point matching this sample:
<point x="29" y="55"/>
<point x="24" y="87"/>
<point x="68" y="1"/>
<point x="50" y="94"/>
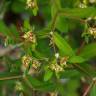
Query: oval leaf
<point x="76" y="59"/>
<point x="63" y="46"/>
<point x="48" y="75"/>
<point x="79" y="12"/>
<point x="88" y="51"/>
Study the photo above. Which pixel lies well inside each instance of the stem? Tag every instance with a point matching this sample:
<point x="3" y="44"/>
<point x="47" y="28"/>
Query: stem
<point x="10" y="78"/>
<point x="4" y="51"/>
<point x="89" y="88"/>
<point x="83" y="70"/>
<point x="80" y="48"/>
<point x="54" y="21"/>
<point x="75" y="18"/>
<point x="61" y="13"/>
<point x="53" y="28"/>
<point x="27" y="81"/>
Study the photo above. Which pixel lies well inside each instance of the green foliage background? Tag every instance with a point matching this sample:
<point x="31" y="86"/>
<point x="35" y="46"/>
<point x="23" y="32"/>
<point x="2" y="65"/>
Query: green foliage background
<point x="61" y="28"/>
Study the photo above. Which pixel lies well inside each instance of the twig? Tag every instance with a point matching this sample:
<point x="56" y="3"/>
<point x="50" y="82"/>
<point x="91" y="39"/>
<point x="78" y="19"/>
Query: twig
<point x="60" y="13"/>
<point x="80" y="48"/>
<point x="10" y="78"/>
<point x="89" y="88"/>
<point x="52" y="30"/>
<point x="4" y="51"/>
<point x="75" y="18"/>
<point x="83" y="70"/>
<point x="27" y="81"/>
<point x="54" y="21"/>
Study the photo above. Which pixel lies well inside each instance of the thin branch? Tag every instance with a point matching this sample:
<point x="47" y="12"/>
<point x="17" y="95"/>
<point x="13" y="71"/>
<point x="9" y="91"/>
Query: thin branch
<point x="89" y="88"/>
<point x="83" y="70"/>
<point x="80" y="48"/>
<point x="61" y="13"/>
<point x="4" y="51"/>
<point x="53" y="28"/>
<point x="27" y="81"/>
<point x="54" y="21"/>
<point x="74" y="17"/>
<point x="10" y="78"/>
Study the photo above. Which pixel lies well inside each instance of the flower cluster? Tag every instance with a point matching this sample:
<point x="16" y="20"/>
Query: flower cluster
<point x="81" y="5"/>
<point x="92" y="31"/>
<point x="30" y="36"/>
<point x="18" y="86"/>
<point x="26" y="60"/>
<point x="59" y="67"/>
<point x="56" y="67"/>
<point x="92" y="1"/>
<point x="34" y="68"/>
<point x="63" y="61"/>
<point x="84" y="3"/>
<point x="31" y="4"/>
<point x="35" y="64"/>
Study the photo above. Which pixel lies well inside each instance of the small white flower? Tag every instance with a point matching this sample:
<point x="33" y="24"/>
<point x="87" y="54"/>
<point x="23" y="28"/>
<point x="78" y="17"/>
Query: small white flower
<point x="94" y="79"/>
<point x="95" y="17"/>
<point x="57" y="55"/>
<point x="81" y="5"/>
<point x="92" y="1"/>
<point x="92" y="31"/>
<point x="89" y="18"/>
<point x="18" y="86"/>
<point x="31" y="4"/>
<point x="51" y="33"/>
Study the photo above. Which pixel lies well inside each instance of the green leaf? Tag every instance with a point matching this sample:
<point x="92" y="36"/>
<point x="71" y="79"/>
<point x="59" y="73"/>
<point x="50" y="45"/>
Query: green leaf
<point x="70" y="74"/>
<point x="4" y="29"/>
<point x="88" y="51"/>
<point x="14" y="31"/>
<point x="42" y="86"/>
<point x="62" y="24"/>
<point x="48" y="75"/>
<point x="60" y="89"/>
<point x="63" y="46"/>
<point x="47" y="87"/>
<point x="33" y="81"/>
<point x="20" y="8"/>
<point x="27" y="24"/>
<point x="79" y="12"/>
<point x="70" y="3"/>
<point x="56" y="5"/>
<point x="88" y="68"/>
<point x="93" y="90"/>
<point x="43" y="47"/>
<point x="11" y="31"/>
<point x="35" y="11"/>
<point x="76" y="59"/>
